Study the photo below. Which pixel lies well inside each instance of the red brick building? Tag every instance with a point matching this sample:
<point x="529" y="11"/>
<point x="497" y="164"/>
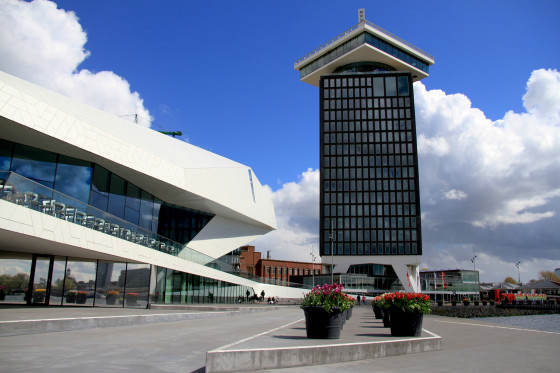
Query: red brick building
<point x="251" y="261"/>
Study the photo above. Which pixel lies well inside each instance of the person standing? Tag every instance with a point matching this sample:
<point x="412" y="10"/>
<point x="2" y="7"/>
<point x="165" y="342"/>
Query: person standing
<point x="248" y="293"/>
<point x="262" y="296"/>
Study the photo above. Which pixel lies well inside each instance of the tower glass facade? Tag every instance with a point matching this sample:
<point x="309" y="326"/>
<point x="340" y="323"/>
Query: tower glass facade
<point x="370" y="202"/>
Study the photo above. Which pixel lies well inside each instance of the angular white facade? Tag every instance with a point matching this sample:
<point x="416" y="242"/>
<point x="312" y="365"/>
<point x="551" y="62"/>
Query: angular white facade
<point x="175" y="172"/>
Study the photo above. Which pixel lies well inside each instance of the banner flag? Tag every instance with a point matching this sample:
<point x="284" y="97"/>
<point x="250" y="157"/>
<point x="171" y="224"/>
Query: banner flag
<point x="435" y="281"/>
<point x="443" y="279"/>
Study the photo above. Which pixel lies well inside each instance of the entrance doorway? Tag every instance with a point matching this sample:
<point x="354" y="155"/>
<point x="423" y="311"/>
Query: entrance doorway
<point x="39" y="289"/>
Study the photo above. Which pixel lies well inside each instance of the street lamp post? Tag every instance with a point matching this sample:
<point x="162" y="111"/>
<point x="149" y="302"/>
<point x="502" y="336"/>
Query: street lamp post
<point x="518" y="274"/>
<point x="332" y="252"/>
<point x="313" y="266"/>
<point x="473" y="260"/>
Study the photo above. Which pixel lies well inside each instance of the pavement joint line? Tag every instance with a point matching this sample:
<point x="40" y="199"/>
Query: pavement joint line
<point x="223" y="348"/>
<point x="110" y="317"/>
<point x="498" y="327"/>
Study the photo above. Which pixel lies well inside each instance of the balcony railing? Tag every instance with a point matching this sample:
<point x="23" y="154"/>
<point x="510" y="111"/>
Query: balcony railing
<point x="28" y="193"/>
<point x="25" y="192"/>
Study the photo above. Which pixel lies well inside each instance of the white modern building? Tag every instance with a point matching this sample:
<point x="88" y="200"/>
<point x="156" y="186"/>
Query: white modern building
<point x="97" y="210"/>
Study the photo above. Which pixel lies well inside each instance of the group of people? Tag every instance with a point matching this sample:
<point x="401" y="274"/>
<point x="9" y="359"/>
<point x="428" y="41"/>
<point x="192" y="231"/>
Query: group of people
<point x="255" y="297"/>
<point x="361" y="301"/>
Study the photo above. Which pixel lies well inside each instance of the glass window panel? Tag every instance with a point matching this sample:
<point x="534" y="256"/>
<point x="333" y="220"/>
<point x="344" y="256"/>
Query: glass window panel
<point x="59" y="266"/>
<point x="402" y="82"/>
<point x="146" y="210"/>
<point x="39" y="286"/>
<point x="138" y="283"/>
<point x="100" y="180"/>
<point x="133" y="197"/>
<point x="131" y="215"/>
<point x="5" y="155"/>
<point x="390" y="86"/>
<point x="378" y="87"/>
<point x="33" y="163"/>
<point x="110" y="284"/>
<point x="117" y="196"/>
<point x="80" y="282"/>
<point x="73" y="178"/>
<point x="14" y="277"/>
<point x="99" y="200"/>
<point x="160" y="284"/>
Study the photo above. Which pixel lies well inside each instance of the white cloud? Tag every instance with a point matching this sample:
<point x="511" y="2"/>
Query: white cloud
<point x="505" y="173"/>
<point x="435" y="145"/>
<point x="455" y="194"/>
<point x="507" y="168"/>
<point x="543" y="96"/>
<point x="46" y="45"/>
<point x="515" y="211"/>
<point x="492" y="268"/>
<point x="297" y="218"/>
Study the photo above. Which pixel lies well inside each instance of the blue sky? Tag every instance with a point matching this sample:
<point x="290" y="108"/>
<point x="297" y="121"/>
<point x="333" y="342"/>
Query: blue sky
<point x="222" y="73"/>
<point x="227" y="66"/>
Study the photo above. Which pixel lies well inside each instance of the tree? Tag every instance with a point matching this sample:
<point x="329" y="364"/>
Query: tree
<point x="510" y="280"/>
<point x="548" y="275"/>
<point x="14" y="282"/>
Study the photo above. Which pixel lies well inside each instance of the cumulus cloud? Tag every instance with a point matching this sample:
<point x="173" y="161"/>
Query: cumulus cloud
<point x="488" y="187"/>
<point x="543" y="96"/>
<point x="297" y="217"/>
<point x="507" y="168"/>
<point x="45" y="45"/>
<point x="492" y="268"/>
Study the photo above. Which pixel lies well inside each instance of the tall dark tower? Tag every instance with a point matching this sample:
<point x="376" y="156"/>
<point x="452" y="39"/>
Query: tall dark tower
<point x="370" y="198"/>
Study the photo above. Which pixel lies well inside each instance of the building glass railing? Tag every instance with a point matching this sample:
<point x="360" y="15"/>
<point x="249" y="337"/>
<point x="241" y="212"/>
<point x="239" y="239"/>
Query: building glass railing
<point x="355" y="42"/>
<point x="33" y="195"/>
<point x="383" y="31"/>
<point x="25" y="192"/>
<point x="353" y="28"/>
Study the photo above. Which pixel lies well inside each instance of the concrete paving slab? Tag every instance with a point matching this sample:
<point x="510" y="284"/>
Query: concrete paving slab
<point x="362" y="337"/>
<point x="21" y="320"/>
<point x="467" y="345"/>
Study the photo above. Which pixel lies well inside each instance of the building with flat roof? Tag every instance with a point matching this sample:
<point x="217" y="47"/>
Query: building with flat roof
<point x="96" y="210"/>
<point x="273" y="271"/>
<point x="369" y="192"/>
<point x="451" y="284"/>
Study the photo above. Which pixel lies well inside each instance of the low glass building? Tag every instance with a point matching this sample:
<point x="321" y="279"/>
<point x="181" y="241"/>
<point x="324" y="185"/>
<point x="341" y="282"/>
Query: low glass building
<point x="451" y="284"/>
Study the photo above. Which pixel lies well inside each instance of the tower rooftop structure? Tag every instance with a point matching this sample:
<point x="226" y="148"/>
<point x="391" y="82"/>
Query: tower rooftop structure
<point x="364" y="43"/>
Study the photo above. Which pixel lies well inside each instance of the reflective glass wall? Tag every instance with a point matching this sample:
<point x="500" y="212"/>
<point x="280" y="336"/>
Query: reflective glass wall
<point x="370" y="201"/>
<point x="14" y="277"/>
<point x="182" y="288"/>
<point x="451" y="284"/>
<point x="357" y="41"/>
<point x="359" y="284"/>
<point x="100" y="188"/>
<point x="54" y="280"/>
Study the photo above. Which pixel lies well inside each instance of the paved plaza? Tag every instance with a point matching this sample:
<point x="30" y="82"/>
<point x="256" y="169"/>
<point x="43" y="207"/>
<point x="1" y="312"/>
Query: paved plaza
<point x="154" y="344"/>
